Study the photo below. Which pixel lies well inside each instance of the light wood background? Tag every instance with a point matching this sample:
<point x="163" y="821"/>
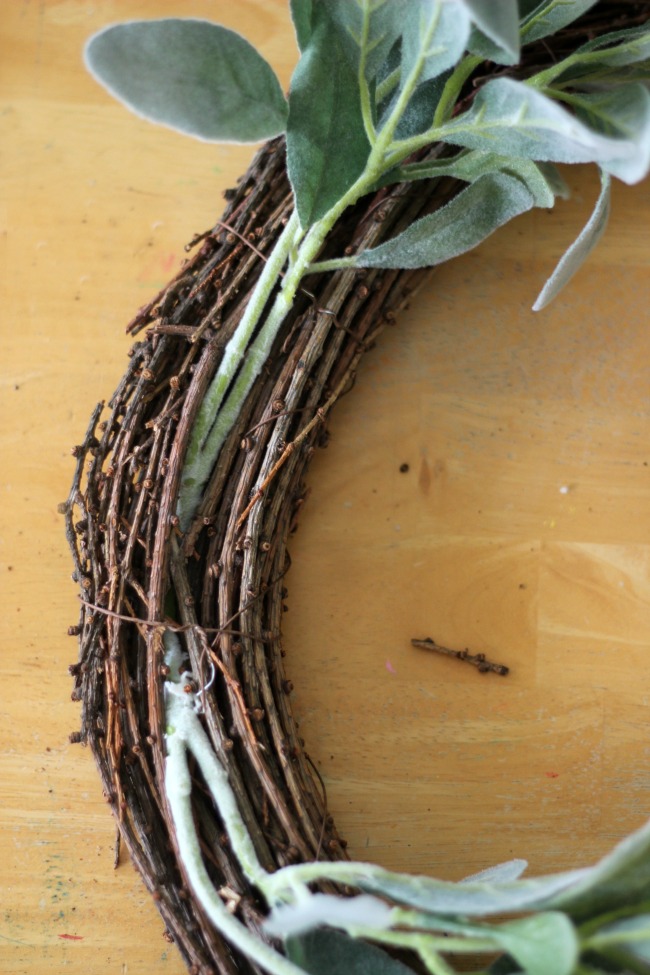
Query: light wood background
<point x="521" y="528"/>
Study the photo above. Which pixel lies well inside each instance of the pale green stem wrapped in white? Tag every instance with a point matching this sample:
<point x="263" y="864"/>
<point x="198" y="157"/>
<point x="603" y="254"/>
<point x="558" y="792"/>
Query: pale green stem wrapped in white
<point x="184" y="732"/>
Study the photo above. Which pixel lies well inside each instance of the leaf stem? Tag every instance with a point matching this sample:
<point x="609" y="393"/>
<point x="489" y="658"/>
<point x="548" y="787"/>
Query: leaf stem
<point x="387" y="133"/>
<point x="335" y="264"/>
<point x="364" y="92"/>
<point x="452" y="88"/>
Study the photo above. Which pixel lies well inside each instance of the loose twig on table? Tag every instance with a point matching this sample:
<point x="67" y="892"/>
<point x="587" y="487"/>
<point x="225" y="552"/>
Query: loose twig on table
<point x="478" y="660"/>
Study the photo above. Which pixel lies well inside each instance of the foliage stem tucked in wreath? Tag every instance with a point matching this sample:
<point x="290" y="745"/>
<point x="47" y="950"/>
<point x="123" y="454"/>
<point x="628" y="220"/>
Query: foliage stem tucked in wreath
<point x="413" y="130"/>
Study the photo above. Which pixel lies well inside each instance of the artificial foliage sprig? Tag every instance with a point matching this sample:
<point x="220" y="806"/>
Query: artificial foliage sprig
<point x="377" y="82"/>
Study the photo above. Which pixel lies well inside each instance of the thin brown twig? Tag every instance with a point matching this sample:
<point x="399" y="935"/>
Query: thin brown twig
<point x="319" y="417"/>
<point x="478" y="660"/>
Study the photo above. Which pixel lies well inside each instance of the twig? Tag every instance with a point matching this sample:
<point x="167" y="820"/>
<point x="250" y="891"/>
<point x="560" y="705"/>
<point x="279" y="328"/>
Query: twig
<point x="478" y="660"/>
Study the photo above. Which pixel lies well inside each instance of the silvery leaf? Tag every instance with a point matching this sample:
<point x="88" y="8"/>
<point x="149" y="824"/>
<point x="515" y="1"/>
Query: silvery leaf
<point x="327" y="147"/>
<point x="327" y="952"/>
<point x="550" y="16"/>
<point x="191" y="75"/>
<point x="496" y="29"/>
<point x="434" y="37"/>
<point x="577" y="253"/>
<point x="469" y="218"/>
<point x="523" y="122"/>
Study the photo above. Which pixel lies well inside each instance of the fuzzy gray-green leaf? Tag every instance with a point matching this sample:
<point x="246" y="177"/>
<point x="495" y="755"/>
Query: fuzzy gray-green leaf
<point x="191" y="75"/>
<point x="469" y="899"/>
<point x="327" y="952"/>
<point x="301" y="15"/>
<point x="519" y="121"/>
<point x="369" y="30"/>
<point x="543" y="944"/>
<point x="435" y="36"/>
<point x="469" y="218"/>
<point x="550" y="16"/>
<point x="327" y="147"/>
<point x="496" y="29"/>
<point x="577" y="253"/>
<point x="543" y="183"/>
<point x="631" y="934"/>
<point x="624" y="111"/>
<point x="621" y="878"/>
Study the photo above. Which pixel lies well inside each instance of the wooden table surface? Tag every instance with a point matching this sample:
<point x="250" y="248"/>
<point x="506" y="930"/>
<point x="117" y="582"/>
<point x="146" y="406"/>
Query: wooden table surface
<point x="521" y="527"/>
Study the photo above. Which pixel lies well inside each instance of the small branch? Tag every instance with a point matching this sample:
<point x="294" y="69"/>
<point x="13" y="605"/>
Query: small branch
<point x="335" y="264"/>
<point x="318" y="417"/>
<point x="478" y="660"/>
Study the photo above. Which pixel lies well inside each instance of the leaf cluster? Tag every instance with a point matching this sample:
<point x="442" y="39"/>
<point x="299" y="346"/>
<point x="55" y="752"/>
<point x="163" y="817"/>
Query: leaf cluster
<point x="379" y="80"/>
<point x="582" y="922"/>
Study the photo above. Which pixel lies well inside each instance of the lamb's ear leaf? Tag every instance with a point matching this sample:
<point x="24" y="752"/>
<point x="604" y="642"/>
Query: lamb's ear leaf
<point x="418" y="114"/>
<point x="496" y="29"/>
<point x="620" y="879"/>
<point x="327" y="147"/>
<point x="531" y="125"/>
<point x="625" y="111"/>
<point x="550" y="16"/>
<point x="436" y="32"/>
<point x="543" y="183"/>
<point x="191" y="75"/>
<point x="468" y="219"/>
<point x="328" y="952"/>
<point x="543" y="944"/>
<point x="619" y="47"/>
<point x="469" y="899"/>
<point x="371" y="30"/>
<point x="301" y="15"/>
<point x="508" y="870"/>
<point x="631" y="937"/>
<point x="577" y="253"/>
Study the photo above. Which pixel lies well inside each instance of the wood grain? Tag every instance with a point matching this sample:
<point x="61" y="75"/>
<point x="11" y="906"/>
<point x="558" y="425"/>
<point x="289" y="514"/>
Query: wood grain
<point x="520" y="528"/>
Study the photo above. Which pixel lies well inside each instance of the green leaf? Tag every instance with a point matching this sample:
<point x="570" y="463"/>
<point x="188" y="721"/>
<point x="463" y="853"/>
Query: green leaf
<point x="370" y="29"/>
<point x="550" y="16"/>
<point x="626" y="940"/>
<point x="496" y="32"/>
<point x="469" y="899"/>
<point x="435" y="35"/>
<point x="624" y="112"/>
<point x="621" y="878"/>
<point x="420" y="110"/>
<point x="617" y="48"/>
<point x="509" y="870"/>
<point x="543" y="185"/>
<point x="301" y="15"/>
<point x="579" y="250"/>
<point x="544" y="944"/>
<point x="326" y="952"/>
<point x="504" y="965"/>
<point x="459" y="226"/>
<point x="523" y="122"/>
<point x="327" y="147"/>
<point x="557" y="185"/>
<point x="191" y="75"/>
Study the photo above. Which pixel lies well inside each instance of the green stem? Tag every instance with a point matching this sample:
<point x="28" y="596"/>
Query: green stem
<point x="336" y="264"/>
<point x="385" y="87"/>
<point x="178" y="786"/>
<point x="243" y="359"/>
<point x="364" y="92"/>
<point x="452" y="88"/>
<point x="193" y="479"/>
<point x="386" y="136"/>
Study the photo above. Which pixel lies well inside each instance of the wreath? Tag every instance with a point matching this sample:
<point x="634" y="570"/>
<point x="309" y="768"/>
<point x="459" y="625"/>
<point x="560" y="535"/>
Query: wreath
<point x="410" y="133"/>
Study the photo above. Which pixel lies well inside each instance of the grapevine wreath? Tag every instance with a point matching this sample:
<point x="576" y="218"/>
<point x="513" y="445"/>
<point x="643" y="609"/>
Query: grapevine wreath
<point x="447" y="117"/>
